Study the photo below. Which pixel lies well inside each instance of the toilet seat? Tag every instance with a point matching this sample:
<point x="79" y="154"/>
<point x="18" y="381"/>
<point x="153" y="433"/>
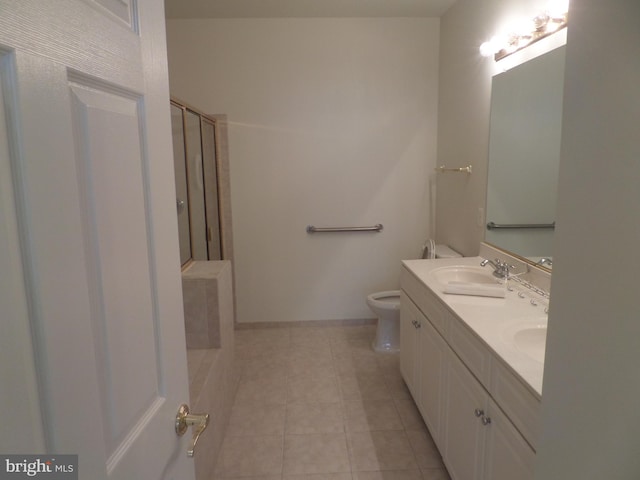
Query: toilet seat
<point x="388" y="300"/>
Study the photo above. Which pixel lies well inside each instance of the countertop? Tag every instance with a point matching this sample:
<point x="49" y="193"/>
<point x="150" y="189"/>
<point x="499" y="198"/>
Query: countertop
<point x="493" y="320"/>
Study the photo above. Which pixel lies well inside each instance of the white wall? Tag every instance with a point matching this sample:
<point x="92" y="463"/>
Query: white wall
<point x="331" y="122"/>
<point x="464" y="106"/>
<point x="591" y="416"/>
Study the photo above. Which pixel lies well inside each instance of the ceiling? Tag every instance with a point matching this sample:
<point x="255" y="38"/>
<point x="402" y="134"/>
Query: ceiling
<point x="304" y="8"/>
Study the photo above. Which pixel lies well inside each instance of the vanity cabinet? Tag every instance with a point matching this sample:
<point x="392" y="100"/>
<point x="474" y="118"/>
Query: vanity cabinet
<point x="507" y="453"/>
<point x="465" y="403"/>
<point x="450" y="374"/>
<point x="422" y="362"/>
<point x="409" y="336"/>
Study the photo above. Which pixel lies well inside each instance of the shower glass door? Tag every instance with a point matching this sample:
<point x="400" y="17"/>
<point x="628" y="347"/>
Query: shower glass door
<point x="194" y="153"/>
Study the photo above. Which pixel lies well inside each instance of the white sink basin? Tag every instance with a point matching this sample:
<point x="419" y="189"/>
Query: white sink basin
<point x="464" y="273"/>
<point x="530" y="338"/>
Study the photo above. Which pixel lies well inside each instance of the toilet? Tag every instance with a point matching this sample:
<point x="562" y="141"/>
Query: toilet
<point x="386" y="306"/>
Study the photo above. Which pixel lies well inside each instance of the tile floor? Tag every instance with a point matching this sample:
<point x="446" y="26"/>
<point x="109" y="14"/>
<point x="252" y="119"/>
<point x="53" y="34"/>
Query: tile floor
<point x="318" y="403"/>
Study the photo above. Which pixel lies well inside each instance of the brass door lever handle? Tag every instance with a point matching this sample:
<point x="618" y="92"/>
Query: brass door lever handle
<point x="184" y="420"/>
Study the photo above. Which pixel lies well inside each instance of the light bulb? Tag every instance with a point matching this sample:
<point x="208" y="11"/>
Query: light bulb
<point x="486" y="49"/>
<point x="558" y="8"/>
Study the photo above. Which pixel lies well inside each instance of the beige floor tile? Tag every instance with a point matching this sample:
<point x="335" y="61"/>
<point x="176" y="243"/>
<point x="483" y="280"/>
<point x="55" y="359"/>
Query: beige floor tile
<point x="410" y="415"/>
<point x="319" y="476"/>
<point x="389" y="475"/>
<point x="425" y="450"/>
<point x="256" y="419"/>
<point x="317" y="403"/>
<point x="280" y="336"/>
<point x="320" y="453"/>
<point x="351" y="344"/>
<point x="369" y="415"/>
<point x="263" y="390"/>
<point x="305" y="361"/>
<point x="310" y="418"/>
<point x="376" y="451"/>
<point x="268" y="366"/>
<point x="310" y="336"/>
<point x="340" y="345"/>
<point x="345" y="362"/>
<point x="435" y="474"/>
<point x="397" y="387"/>
<point x="313" y="388"/>
<point x="363" y="386"/>
<point x="390" y="362"/>
<point x="320" y="349"/>
<point x="261" y="354"/>
<point x="252" y="477"/>
<point x="362" y="346"/>
<point x="245" y="456"/>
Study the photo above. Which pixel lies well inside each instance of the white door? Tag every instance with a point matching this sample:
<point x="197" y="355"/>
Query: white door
<point x="92" y="321"/>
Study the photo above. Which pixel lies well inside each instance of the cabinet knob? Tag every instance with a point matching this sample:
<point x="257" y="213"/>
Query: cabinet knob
<point x="486" y="420"/>
<point x="418" y="325"/>
<point x="478" y="413"/>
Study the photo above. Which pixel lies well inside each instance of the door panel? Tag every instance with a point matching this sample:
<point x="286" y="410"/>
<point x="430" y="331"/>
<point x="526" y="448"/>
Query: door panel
<point x="124" y="10"/>
<point x="110" y="160"/>
<point x="86" y="106"/>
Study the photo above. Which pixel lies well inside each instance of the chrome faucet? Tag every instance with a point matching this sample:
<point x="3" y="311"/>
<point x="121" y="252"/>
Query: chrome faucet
<point x="500" y="268"/>
<point x="545" y="261"/>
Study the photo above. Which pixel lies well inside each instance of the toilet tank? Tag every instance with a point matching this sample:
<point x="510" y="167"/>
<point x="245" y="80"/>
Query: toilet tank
<point x="441" y="251"/>
<point x="444" y="251"/>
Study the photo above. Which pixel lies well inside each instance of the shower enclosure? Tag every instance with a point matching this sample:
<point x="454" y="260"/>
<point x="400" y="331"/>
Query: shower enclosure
<point x="202" y="184"/>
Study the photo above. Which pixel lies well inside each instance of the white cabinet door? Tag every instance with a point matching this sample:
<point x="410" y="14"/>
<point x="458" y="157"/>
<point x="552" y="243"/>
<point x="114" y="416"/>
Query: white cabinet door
<point x="89" y="213"/>
<point x="431" y="359"/>
<point x="463" y="429"/>
<point x="508" y="455"/>
<point x="409" y="318"/>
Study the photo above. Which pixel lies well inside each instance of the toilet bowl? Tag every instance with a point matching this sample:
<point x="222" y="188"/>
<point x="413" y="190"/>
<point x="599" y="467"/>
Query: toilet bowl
<point x="386" y="306"/>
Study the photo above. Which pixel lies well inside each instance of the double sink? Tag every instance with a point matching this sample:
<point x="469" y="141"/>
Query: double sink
<point x="527" y="335"/>
<point x="513" y="326"/>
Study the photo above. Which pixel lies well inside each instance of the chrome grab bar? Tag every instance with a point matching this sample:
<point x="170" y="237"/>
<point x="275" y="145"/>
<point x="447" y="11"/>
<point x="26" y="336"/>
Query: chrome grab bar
<point x="375" y="228"/>
<point x="443" y="169"/>
<point x="497" y="226"/>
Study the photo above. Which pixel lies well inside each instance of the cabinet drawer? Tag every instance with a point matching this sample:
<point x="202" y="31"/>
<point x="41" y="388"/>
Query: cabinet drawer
<point x="428" y="303"/>
<point x="473" y="353"/>
<point x="517" y="401"/>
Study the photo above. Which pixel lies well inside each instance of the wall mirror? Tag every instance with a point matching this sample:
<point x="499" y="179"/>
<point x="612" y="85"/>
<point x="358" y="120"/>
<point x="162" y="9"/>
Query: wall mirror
<point x="524" y="154"/>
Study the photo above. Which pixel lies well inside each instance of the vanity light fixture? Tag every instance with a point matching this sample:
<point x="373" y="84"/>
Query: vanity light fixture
<point x="545" y="23"/>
